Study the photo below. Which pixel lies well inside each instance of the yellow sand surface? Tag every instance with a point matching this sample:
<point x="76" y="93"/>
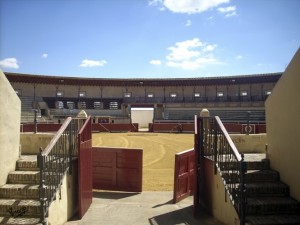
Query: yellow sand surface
<point x="159" y="151"/>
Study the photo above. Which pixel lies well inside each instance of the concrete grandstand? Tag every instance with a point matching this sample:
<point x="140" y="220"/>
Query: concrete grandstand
<point x="229" y="97"/>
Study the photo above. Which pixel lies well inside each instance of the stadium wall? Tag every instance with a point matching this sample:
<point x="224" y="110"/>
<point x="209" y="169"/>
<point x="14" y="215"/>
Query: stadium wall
<point x="283" y="122"/>
<point x="10" y="114"/>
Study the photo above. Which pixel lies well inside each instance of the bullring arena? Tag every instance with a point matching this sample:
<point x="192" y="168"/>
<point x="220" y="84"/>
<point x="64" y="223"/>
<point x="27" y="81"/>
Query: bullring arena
<point x="159" y="151"/>
<point x="136" y="148"/>
<point x="170" y="106"/>
<point x="167" y="106"/>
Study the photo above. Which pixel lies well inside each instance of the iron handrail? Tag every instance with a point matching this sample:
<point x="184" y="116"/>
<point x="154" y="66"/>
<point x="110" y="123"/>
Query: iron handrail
<point x="54" y="161"/>
<point x="216" y="144"/>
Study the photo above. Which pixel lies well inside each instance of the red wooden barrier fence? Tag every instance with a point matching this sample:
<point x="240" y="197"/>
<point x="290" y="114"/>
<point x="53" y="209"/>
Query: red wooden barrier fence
<point x="118" y="169"/>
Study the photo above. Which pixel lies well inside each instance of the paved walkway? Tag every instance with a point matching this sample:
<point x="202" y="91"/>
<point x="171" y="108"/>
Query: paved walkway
<point x="154" y="208"/>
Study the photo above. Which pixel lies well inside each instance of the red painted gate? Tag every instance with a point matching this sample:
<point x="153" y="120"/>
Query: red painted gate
<point x="85" y="192"/>
<point x="118" y="169"/>
<point x="184" y="175"/>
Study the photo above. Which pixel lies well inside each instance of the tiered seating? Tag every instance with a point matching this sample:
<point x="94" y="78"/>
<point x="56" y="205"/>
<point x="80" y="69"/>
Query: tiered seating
<point x="235" y="115"/>
<point x="85" y="103"/>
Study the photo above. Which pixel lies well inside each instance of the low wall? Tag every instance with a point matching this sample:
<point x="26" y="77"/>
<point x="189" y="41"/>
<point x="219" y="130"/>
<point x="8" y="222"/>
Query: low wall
<point x="41" y="127"/>
<point x="66" y="204"/>
<point x="215" y="196"/>
<point x="171" y="127"/>
<point x="115" y="127"/>
<point x="253" y="143"/>
<point x="178" y="126"/>
<point x="30" y="143"/>
<point x="242" y="128"/>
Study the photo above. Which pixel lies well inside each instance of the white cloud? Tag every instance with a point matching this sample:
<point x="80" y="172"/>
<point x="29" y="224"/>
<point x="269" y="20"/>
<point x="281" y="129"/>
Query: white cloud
<point x="238" y="57"/>
<point x="191" y="54"/>
<point x="193" y="64"/>
<point x="188" y="6"/>
<point x="45" y="55"/>
<point x="188" y="23"/>
<point x="155" y="62"/>
<point x="228" y="11"/>
<point x="182" y="50"/>
<point x="209" y="48"/>
<point x="10" y="63"/>
<point x="154" y="2"/>
<point x="210" y="18"/>
<point x="92" y="63"/>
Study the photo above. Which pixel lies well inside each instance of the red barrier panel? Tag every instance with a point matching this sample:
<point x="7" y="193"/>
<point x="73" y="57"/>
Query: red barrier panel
<point x="184" y="175"/>
<point x="189" y="127"/>
<point x="172" y="127"/>
<point x="260" y="128"/>
<point x="41" y="127"/>
<point x="115" y="127"/>
<point x="85" y="178"/>
<point x="118" y="169"/>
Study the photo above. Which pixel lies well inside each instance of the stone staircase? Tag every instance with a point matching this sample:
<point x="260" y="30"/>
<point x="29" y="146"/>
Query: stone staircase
<point x="19" y="198"/>
<point x="268" y="199"/>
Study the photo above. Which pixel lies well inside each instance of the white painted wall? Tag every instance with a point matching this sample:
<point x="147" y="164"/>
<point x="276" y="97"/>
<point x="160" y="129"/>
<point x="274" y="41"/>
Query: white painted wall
<point x="283" y="122"/>
<point x="142" y="116"/>
<point x="10" y="116"/>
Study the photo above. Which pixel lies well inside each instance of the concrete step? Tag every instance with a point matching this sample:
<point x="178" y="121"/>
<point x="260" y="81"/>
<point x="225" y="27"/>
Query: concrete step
<point x="275" y="189"/>
<point x="24" y="177"/>
<point x="272" y="205"/>
<point x="19" y="208"/>
<point x="273" y="220"/>
<point x="27" y="163"/>
<point x="19" y="220"/>
<point x="32" y="177"/>
<point x="252" y="176"/>
<point x="19" y="191"/>
<point x="254" y="162"/>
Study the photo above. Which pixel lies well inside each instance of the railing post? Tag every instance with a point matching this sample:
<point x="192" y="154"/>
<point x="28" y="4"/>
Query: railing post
<point x="35" y="120"/>
<point x="248" y="122"/>
<point x="70" y="147"/>
<point x="243" y="190"/>
<point x="42" y="187"/>
<point x="215" y="145"/>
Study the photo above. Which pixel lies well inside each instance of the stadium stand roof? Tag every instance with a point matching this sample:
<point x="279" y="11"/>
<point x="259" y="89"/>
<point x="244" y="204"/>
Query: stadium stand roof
<point x="200" y="81"/>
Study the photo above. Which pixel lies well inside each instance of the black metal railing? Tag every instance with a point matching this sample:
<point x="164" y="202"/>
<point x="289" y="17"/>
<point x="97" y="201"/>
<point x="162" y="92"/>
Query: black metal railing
<point x="55" y="160"/>
<point x="216" y="144"/>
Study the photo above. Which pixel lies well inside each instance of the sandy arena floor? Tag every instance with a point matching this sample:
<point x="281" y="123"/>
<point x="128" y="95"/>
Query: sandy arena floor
<point x="158" y="156"/>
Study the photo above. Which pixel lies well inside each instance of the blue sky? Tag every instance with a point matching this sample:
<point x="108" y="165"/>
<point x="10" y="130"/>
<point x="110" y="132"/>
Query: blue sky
<point x="148" y="38"/>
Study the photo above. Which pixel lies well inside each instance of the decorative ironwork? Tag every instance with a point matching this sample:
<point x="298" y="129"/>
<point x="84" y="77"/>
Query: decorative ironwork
<point x="216" y="144"/>
<point x="55" y="160"/>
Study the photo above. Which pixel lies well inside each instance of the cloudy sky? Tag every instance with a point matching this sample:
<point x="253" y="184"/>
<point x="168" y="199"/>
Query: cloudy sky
<point x="148" y="38"/>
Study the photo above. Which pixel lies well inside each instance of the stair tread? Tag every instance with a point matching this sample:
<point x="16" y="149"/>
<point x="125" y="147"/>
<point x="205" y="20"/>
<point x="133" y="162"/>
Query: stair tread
<point x="19" y="220"/>
<point x="267" y="184"/>
<point x="19" y="202"/>
<point x="19" y="191"/>
<point x="24" y="172"/>
<point x="255" y="157"/>
<point x="273" y="219"/>
<point x="271" y="200"/>
<point x="19" y="186"/>
<point x="32" y="158"/>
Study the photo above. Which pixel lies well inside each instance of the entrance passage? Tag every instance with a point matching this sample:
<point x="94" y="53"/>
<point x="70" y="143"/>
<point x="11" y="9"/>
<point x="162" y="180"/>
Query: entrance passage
<point x="142" y="116"/>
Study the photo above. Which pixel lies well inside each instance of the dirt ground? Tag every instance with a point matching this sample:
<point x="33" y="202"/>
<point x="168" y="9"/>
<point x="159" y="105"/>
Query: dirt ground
<point x="159" y="151"/>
